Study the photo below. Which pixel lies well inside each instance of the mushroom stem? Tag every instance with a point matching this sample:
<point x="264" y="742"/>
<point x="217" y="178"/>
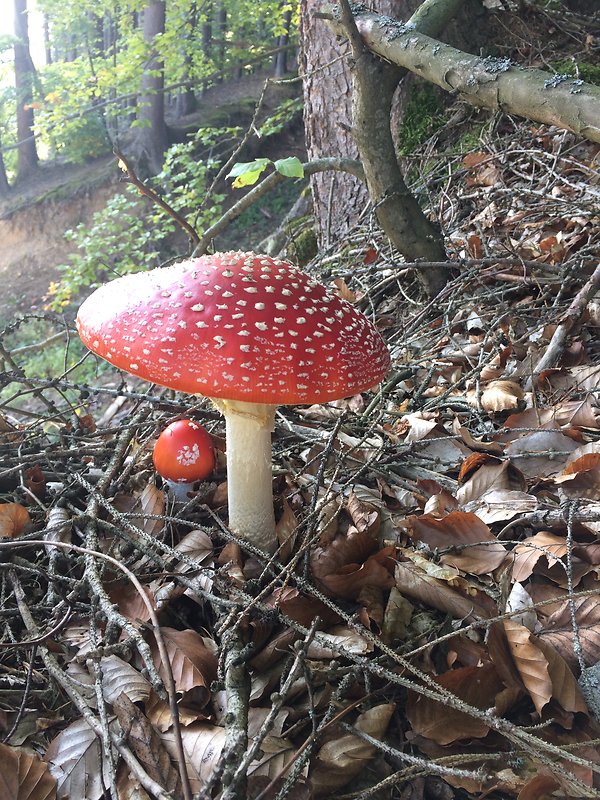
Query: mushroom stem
<point x="248" y="429"/>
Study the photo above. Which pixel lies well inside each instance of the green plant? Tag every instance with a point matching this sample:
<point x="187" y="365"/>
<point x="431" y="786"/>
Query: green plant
<point x="130" y="234"/>
<point x="423" y="115"/>
<point x="578" y="69"/>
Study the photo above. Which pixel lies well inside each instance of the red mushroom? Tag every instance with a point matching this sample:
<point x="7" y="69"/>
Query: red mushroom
<point x="184" y="453"/>
<point x="250" y="332"/>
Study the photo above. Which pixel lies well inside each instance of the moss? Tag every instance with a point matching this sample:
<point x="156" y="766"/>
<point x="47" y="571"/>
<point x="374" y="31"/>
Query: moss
<point x="303" y="247"/>
<point x="578" y="69"/>
<point x="423" y="115"/>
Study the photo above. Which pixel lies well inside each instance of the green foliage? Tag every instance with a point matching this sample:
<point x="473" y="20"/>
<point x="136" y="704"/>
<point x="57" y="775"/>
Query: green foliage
<point x="130" y="234"/>
<point x="423" y="115"/>
<point x="246" y="173"/>
<point x="282" y="116"/>
<point x="578" y="69"/>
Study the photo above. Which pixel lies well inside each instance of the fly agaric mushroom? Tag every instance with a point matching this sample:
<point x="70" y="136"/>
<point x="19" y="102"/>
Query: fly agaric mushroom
<point x="251" y="333"/>
<point x="183" y="454"/>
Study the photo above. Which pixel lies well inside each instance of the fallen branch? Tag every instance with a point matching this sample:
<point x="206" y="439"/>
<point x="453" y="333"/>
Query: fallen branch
<point x="493" y="83"/>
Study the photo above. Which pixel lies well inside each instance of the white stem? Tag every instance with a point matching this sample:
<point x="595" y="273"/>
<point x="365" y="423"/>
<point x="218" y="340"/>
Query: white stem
<point x="249" y="473"/>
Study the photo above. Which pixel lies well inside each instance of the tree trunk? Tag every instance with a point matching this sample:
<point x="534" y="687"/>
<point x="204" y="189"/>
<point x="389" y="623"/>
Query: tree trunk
<point x="185" y="101"/>
<point x="47" y="48"/>
<point x="280" y="59"/>
<point x="27" y="157"/>
<point x="151" y="142"/>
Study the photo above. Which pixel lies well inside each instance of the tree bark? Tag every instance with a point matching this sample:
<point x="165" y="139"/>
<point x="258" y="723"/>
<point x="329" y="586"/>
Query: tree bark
<point x="151" y="141"/>
<point x="27" y="157"/>
<point x="338" y="199"/>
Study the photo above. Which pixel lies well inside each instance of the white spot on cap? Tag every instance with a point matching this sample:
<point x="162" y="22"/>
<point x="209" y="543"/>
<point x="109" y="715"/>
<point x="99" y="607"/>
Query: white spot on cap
<point x="198" y="307"/>
<point x="262" y="326"/>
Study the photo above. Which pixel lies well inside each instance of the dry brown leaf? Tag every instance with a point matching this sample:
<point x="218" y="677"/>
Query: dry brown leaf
<point x="146" y="744"/>
<point x="526" y="555"/>
<point x="125" y="595"/>
<point x="351" y="579"/>
<point x="24" y="776"/>
<point x="14" y="518"/>
<point x="343" y="758"/>
<point x="396" y="618"/>
<point x="160" y="715"/>
<point x="415" y="583"/>
<point x="202" y="745"/>
<point x="479" y="552"/>
<point x="75" y="759"/>
<point x="118" y="676"/>
<point x="558" y="630"/>
<point x="152" y="504"/>
<point x="285" y="530"/>
<point x="531" y="664"/>
<point x="581" y="478"/>
<point x="193" y="662"/>
<point x="477" y="686"/>
<point x="473" y="443"/>
<point x="565" y="690"/>
<point x="501" y="504"/>
<point x="492" y="475"/>
<point x="541" y="454"/>
<point x="301" y="608"/>
<point x="328" y="644"/>
<point x="496" y="396"/>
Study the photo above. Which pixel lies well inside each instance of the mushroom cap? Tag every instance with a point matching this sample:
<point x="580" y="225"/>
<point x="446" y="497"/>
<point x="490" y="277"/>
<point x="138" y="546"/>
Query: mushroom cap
<point x="184" y="452"/>
<point x="235" y="326"/>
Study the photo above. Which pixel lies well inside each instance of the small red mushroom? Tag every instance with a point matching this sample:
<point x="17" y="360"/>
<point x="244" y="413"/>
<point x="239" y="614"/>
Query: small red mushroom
<point x="184" y="452"/>
<point x="249" y="331"/>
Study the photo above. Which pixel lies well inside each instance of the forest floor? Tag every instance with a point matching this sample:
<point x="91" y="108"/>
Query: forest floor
<point x="430" y="626"/>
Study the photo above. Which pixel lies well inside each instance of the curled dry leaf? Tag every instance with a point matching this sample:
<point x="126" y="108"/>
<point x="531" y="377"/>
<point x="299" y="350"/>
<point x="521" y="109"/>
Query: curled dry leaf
<point x="202" y="745"/>
<point x="344" y="757"/>
<point x="14" y="518"/>
<point x="437" y="720"/>
<point x="530" y="662"/>
<point x="301" y="608"/>
<point x="193" y="662"/>
<point x="494" y="474"/>
<point x="479" y="553"/>
<point x="416" y="584"/>
<point x="120" y="677"/>
<point x="146" y="744"/>
<point x="350" y="579"/>
<point x="525" y="556"/>
<point x="496" y="396"/>
<point x="561" y="635"/>
<point x="24" y="776"/>
<point x="581" y="478"/>
<point x="327" y="645"/>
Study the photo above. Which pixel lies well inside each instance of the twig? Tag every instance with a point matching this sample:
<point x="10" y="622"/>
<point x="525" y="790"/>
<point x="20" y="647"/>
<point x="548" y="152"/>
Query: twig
<point x="571" y="317"/>
<point x="266" y="185"/>
<point x="149" y="192"/>
<point x="162" y="649"/>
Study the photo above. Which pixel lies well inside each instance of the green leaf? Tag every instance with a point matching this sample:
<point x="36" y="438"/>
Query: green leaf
<point x="290" y="167"/>
<point x="248" y="172"/>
